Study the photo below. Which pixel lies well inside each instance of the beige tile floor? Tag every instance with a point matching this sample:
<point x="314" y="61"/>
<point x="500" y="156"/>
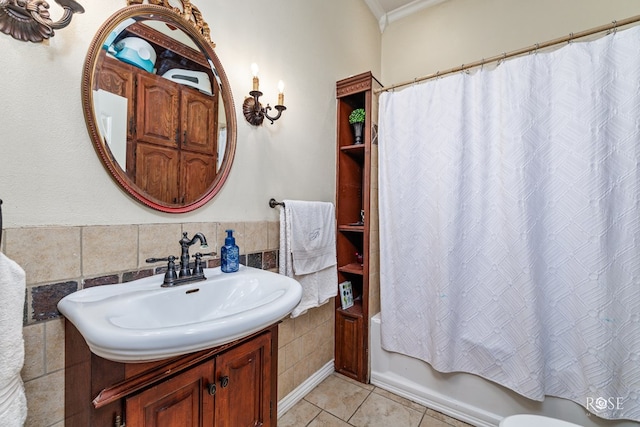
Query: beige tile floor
<point x="341" y="402"/>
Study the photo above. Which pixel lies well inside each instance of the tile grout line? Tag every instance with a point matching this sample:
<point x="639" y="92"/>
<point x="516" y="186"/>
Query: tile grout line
<point x="317" y="415"/>
<point x="359" y="406"/>
<point x="372" y="391"/>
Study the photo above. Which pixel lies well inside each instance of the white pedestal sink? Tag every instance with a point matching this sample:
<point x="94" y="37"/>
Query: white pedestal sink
<point x="140" y="321"/>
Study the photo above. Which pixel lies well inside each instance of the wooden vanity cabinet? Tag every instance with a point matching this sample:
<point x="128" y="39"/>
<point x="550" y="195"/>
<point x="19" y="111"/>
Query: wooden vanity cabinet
<point x="241" y="402"/>
<point x="180" y="401"/>
<point x="234" y="385"/>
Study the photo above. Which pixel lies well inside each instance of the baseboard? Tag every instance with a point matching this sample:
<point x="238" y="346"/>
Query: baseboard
<point x="396" y="385"/>
<point x="301" y="391"/>
<point x="431" y="399"/>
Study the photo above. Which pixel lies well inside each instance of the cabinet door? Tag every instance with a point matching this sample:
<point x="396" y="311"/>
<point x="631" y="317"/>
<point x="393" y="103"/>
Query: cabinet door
<point x="157" y="172"/>
<point x="198" y="121"/>
<point x="198" y="172"/>
<point x="157" y="110"/>
<point x="183" y="401"/>
<point x="244" y="377"/>
<point x="349" y="352"/>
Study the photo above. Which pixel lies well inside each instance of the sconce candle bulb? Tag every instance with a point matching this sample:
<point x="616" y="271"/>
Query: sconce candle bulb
<point x="254" y="71"/>
<point x="280" y="92"/>
<point x="253" y="111"/>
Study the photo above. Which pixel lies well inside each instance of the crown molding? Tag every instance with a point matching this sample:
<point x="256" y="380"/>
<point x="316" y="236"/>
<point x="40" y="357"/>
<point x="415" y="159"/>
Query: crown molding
<point x="376" y="9"/>
<point x="386" y="18"/>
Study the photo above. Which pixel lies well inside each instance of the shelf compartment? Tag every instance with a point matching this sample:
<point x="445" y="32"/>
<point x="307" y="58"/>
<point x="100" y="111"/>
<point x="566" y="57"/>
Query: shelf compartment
<point x="353" y="268"/>
<point x="354" y="310"/>
<point x="355" y="150"/>
<point x="351" y="228"/>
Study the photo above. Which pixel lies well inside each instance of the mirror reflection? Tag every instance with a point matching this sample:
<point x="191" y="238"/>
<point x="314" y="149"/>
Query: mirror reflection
<point x="160" y="110"/>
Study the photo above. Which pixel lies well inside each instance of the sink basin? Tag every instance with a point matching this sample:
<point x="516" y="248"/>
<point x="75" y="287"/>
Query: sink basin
<point x="140" y="321"/>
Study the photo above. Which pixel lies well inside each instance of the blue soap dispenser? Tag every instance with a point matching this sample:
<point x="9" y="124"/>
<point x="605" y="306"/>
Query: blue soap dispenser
<point x="230" y="254"/>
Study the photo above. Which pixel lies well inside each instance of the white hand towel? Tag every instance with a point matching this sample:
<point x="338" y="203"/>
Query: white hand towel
<point x="316" y="270"/>
<point x="313" y="235"/>
<point x="13" y="403"/>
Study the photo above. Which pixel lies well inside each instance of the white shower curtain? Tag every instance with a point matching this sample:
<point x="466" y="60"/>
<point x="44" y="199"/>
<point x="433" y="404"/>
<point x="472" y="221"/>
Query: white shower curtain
<point x="510" y="223"/>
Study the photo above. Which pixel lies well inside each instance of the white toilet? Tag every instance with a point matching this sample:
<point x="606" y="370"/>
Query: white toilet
<point x="526" y="420"/>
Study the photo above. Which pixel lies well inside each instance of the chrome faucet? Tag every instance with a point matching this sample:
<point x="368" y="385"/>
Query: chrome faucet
<point x="186" y="275"/>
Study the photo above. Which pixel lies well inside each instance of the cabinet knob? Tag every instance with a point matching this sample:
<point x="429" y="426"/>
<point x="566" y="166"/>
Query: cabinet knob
<point x="224" y="381"/>
<point x="211" y="388"/>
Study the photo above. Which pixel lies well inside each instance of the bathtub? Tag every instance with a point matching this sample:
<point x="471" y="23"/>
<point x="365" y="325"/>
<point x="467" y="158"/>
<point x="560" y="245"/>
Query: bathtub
<point x="463" y="396"/>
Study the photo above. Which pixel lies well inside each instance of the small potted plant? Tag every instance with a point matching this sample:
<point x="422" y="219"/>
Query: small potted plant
<point x="356" y="120"/>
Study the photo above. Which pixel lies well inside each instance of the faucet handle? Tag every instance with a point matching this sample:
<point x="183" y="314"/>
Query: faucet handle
<point x="170" y="276"/>
<point x="198" y="254"/>
<point x="197" y="267"/>
<point x="153" y="260"/>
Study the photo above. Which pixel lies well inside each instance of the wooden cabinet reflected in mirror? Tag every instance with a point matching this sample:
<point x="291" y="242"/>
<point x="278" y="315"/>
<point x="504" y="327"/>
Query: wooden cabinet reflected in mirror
<point x="159" y="108"/>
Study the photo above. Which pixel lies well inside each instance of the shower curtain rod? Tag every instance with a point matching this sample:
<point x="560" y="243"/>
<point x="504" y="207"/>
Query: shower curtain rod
<point x="497" y="58"/>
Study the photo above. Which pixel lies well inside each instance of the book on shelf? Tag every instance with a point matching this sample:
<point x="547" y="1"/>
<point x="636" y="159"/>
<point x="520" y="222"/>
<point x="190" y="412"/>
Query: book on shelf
<point x="346" y="294"/>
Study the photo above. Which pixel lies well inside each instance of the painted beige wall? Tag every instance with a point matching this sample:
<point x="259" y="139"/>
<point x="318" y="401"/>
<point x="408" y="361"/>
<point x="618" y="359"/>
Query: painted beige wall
<point x="463" y="31"/>
<point x="50" y="174"/>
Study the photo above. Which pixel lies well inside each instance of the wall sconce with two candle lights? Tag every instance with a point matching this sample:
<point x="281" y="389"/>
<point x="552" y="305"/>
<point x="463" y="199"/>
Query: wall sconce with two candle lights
<point x="253" y="111"/>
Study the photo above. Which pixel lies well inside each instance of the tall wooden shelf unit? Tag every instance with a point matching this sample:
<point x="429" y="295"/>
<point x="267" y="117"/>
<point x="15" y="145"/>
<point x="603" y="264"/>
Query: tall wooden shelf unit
<point x="356" y="192"/>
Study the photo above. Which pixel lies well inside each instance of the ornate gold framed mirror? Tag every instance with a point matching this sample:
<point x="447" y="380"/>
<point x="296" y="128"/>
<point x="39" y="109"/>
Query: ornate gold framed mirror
<point x="158" y="106"/>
